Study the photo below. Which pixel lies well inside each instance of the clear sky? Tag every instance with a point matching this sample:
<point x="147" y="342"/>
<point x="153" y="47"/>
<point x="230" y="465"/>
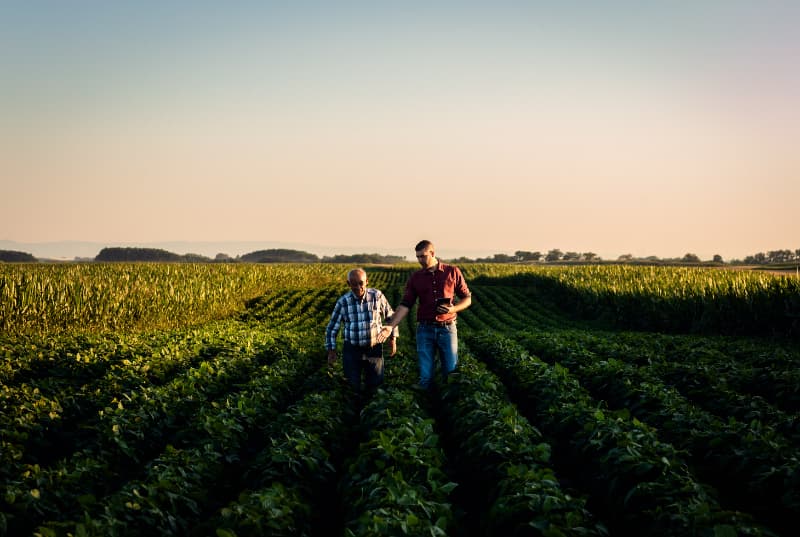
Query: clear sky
<point x="612" y="127"/>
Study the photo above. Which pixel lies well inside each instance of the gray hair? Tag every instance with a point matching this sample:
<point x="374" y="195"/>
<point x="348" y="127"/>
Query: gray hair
<point x="354" y="272"/>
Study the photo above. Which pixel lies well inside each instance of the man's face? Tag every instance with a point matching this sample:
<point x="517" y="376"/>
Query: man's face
<point x="358" y="284"/>
<point x="426" y="258"/>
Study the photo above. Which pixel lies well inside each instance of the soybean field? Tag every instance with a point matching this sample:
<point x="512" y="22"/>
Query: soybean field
<point x="196" y="400"/>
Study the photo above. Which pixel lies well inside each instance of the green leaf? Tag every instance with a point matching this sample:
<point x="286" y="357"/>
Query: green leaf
<point x="725" y="530"/>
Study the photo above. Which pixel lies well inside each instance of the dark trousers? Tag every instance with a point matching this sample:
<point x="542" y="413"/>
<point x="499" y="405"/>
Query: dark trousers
<point x="366" y="361"/>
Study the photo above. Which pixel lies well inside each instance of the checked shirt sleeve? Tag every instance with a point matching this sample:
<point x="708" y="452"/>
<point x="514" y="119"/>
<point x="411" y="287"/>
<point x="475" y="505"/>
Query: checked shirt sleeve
<point x="333" y="326"/>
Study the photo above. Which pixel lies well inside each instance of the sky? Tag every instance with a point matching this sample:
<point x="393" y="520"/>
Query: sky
<point x="611" y="127"/>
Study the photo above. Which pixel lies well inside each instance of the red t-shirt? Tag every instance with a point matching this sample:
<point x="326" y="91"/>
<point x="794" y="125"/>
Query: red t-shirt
<point x="446" y="281"/>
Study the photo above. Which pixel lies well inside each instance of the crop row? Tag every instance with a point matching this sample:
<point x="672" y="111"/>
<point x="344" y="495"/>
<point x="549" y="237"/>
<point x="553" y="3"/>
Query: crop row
<point x="730" y="384"/>
<point x="752" y="465"/>
<point x="152" y="421"/>
<point x="299" y="310"/>
<point x="287" y="486"/>
<point x="395" y="484"/>
<point x="48" y="416"/>
<point x="725" y="372"/>
<point x="637" y="484"/>
<point x="712" y="371"/>
<point x="503" y="463"/>
<point x="245" y="443"/>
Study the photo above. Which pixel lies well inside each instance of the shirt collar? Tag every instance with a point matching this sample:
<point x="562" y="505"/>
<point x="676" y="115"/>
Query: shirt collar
<point x="360" y="298"/>
<point x="437" y="268"/>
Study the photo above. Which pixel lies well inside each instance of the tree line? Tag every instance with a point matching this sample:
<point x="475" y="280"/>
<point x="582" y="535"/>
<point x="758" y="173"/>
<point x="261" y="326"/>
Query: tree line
<point x="276" y="255"/>
<point x="774" y="256"/>
<point x="556" y="255"/>
<point x="281" y="255"/>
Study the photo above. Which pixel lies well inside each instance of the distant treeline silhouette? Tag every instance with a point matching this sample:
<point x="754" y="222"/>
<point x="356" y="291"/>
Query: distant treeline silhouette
<point x="137" y="254"/>
<point x="12" y="256"/>
<point x="275" y="255"/>
<point x="365" y="258"/>
<point x="279" y="255"/>
<point x="282" y="255"/>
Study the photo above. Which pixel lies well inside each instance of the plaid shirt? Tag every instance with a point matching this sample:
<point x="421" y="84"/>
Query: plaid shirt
<point x="363" y="318"/>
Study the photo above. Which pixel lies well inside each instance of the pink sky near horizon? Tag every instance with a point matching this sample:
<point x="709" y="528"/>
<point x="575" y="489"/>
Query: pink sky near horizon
<point x="486" y="130"/>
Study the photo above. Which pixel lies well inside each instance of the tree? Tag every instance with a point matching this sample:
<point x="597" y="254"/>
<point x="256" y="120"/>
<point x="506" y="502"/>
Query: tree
<point x="553" y="255"/>
<point x="502" y="258"/>
<point x="460" y="260"/>
<point x="717" y="258"/>
<point x="279" y="255"/>
<point x="13" y="256"/>
<point x="364" y="258"/>
<point x="779" y="256"/>
<point x="590" y="256"/>
<point x="114" y="254"/>
<point x="626" y="258"/>
<point x="690" y="258"/>
<point x="523" y="255"/>
<point x="195" y="258"/>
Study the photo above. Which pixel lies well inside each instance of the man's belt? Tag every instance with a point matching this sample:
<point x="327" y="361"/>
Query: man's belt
<point x="436" y="323"/>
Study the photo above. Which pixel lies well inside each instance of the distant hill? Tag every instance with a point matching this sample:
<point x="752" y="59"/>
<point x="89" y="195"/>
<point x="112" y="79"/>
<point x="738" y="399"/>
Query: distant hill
<point x="13" y="256"/>
<point x="279" y="255"/>
<point x="145" y="254"/>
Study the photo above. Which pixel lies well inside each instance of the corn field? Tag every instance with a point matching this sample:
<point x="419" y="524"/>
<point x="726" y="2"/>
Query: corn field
<point x="97" y="297"/>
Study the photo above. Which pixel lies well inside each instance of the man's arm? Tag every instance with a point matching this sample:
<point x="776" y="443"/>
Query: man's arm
<point x="388" y="314"/>
<point x="399" y="315"/>
<point x="332" y="331"/>
<point x="461" y="305"/>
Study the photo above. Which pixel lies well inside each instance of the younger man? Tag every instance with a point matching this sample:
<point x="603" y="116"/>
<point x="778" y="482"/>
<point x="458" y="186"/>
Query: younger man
<point x="436" y="285"/>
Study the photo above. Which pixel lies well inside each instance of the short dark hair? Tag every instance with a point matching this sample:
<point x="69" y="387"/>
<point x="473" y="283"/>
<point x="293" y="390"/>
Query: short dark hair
<point x="423" y="245"/>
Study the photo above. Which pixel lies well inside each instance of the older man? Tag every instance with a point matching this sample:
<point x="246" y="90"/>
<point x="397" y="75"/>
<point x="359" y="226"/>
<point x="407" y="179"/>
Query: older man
<point x="362" y="312"/>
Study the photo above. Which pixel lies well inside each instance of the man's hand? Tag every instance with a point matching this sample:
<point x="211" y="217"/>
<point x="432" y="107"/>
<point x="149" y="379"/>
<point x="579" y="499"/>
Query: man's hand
<point x="384" y="334"/>
<point x="392" y="346"/>
<point x="331" y="357"/>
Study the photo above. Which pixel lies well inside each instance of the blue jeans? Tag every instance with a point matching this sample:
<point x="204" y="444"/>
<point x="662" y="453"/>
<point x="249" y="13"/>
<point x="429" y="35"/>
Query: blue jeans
<point x="354" y="365"/>
<point x="431" y="338"/>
